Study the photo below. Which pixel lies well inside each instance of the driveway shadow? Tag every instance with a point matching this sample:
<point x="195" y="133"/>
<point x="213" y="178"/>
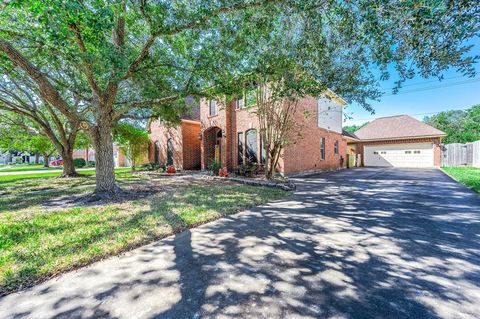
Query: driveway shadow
<point x="351" y="244"/>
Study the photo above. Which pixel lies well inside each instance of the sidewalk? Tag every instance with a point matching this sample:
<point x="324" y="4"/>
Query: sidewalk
<point x="41" y="171"/>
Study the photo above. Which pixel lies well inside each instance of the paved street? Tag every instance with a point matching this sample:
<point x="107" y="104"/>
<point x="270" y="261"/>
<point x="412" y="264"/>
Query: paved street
<point x="362" y="243"/>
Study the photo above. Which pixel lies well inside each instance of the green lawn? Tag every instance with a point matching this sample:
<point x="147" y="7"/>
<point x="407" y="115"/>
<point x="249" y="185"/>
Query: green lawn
<point x="469" y="176"/>
<point x="42" y="175"/>
<point x="31" y="167"/>
<point x="41" y="235"/>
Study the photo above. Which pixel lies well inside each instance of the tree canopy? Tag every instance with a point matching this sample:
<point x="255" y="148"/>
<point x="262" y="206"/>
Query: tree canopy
<point x="461" y="126"/>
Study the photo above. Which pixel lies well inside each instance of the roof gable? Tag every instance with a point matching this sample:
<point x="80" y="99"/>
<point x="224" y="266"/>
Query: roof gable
<point x="400" y="126"/>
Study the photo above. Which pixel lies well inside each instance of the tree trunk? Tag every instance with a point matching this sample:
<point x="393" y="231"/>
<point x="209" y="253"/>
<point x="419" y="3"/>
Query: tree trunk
<point x="68" y="167"/>
<point x="45" y="160"/>
<point x="104" y="164"/>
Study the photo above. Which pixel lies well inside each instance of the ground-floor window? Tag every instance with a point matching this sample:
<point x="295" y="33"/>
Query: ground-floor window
<point x="170" y="152"/>
<point x="251" y="146"/>
<point x="240" y="148"/>
<point x="156" y="157"/>
<point x="322" y="148"/>
<point x="262" y="151"/>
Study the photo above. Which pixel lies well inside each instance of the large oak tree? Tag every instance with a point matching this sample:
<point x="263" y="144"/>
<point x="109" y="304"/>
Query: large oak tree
<point x="98" y="61"/>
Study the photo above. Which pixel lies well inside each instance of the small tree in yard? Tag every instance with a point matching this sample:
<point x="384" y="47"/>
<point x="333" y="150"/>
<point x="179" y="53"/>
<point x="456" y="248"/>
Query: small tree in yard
<point x="134" y="142"/>
<point x="279" y="126"/>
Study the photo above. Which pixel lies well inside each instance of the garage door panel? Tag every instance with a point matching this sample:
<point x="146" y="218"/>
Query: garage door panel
<point x="399" y="155"/>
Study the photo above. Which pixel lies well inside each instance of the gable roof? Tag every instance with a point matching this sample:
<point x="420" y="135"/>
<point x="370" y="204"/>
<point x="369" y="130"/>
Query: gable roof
<point x="396" y="127"/>
<point x="349" y="135"/>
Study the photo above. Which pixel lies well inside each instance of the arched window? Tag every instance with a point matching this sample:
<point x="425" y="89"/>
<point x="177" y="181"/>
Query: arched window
<point x="251" y="150"/>
<point x="170" y="152"/>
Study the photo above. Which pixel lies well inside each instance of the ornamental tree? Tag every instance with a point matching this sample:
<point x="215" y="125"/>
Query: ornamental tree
<point x="133" y="141"/>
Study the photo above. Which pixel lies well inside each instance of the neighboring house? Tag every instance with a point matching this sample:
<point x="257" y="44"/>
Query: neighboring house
<point x="89" y="155"/>
<point x="5" y="158"/>
<point x="18" y="157"/>
<point x="395" y="141"/>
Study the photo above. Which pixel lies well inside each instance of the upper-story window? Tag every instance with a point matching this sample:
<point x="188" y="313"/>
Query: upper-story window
<point x="212" y="108"/>
<point x="250" y="98"/>
<point x="240" y="103"/>
<point x="335" y="148"/>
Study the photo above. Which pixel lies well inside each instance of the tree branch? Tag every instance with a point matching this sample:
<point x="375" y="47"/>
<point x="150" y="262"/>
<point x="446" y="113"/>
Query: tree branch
<point x="187" y="26"/>
<point x="87" y="64"/>
<point x="138" y="104"/>
<point x="46" y="89"/>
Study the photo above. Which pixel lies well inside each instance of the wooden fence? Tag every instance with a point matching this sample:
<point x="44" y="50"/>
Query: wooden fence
<point x="458" y="154"/>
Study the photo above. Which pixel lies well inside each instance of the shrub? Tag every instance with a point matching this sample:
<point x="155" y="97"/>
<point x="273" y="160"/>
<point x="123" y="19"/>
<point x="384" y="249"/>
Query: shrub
<point x="214" y="167"/>
<point x="152" y="167"/>
<point x="249" y="169"/>
<point x="91" y="164"/>
<point x="79" y="162"/>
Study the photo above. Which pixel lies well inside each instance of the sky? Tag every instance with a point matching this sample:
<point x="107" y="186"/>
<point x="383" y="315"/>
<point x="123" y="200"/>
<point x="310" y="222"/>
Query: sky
<point x="420" y="97"/>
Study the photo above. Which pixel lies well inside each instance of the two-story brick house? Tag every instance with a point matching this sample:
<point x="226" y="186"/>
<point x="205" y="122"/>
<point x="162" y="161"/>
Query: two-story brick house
<point x="229" y="132"/>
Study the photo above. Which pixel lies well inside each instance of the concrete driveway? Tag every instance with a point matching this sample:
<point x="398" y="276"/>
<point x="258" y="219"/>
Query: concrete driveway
<point x="363" y="243"/>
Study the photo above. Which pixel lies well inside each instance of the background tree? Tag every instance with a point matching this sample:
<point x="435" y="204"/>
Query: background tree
<point x="22" y="105"/>
<point x="99" y="61"/>
<point x="354" y="127"/>
<point x="83" y="142"/>
<point x="133" y="141"/>
<point x="461" y="126"/>
<point x="42" y="145"/>
<point x="17" y="133"/>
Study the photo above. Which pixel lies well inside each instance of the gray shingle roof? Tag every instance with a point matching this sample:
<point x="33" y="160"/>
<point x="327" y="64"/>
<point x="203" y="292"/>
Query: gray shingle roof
<point x="348" y="134"/>
<point x="399" y="126"/>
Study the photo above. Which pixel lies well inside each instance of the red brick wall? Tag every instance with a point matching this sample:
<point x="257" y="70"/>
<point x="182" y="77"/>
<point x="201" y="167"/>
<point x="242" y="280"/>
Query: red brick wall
<point x="207" y="123"/>
<point x="160" y="133"/>
<point x="303" y="155"/>
<point x="435" y="140"/>
<point x="191" y="145"/>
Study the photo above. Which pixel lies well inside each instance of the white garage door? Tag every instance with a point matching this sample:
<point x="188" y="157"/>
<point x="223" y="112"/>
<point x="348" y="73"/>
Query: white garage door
<point x="399" y="155"/>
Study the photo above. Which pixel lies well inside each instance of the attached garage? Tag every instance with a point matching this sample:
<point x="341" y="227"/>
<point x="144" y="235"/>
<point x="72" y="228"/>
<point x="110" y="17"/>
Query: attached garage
<point x="399" y="155"/>
<point x="396" y="141"/>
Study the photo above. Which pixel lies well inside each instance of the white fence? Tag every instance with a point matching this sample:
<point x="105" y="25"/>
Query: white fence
<point x="458" y="154"/>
